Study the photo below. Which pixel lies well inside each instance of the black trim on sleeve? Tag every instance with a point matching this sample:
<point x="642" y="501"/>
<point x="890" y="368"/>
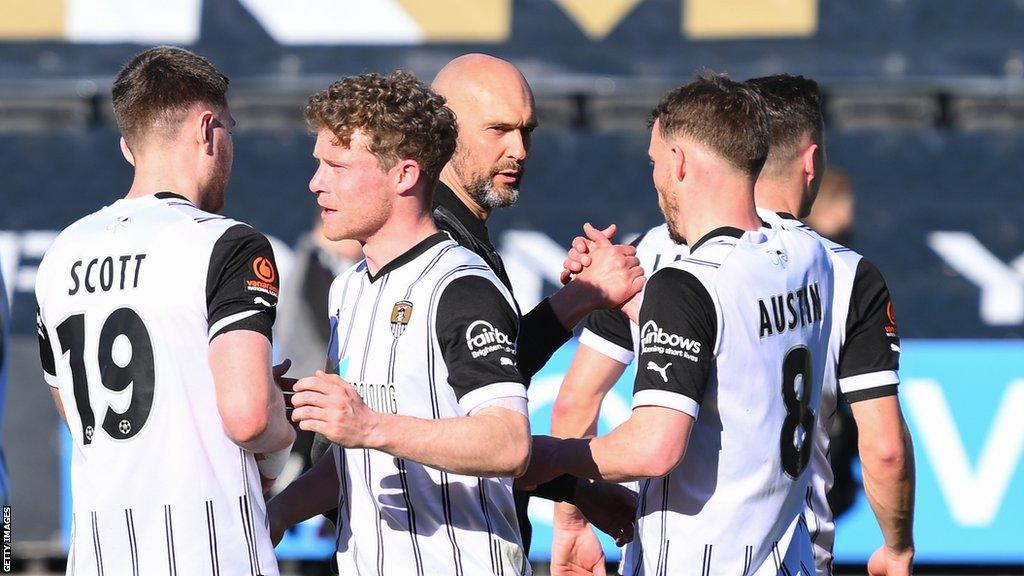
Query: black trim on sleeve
<point x="242" y="282"/>
<point x="47" y="354"/>
<point x="611" y="325"/>
<point x="678" y="328"/>
<point x="476" y="330"/>
<point x="871" y="393"/>
<point x="872" y="339"/>
<point x="541" y="334"/>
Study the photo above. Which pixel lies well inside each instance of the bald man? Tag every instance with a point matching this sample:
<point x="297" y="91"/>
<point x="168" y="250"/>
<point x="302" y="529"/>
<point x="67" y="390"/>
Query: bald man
<point x="494" y="107"/>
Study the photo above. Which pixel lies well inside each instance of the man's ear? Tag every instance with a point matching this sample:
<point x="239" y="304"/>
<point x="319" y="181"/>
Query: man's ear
<point x="810" y="166"/>
<point x="678" y="163"/>
<point x="127" y="152"/>
<point x="204" y="126"/>
<point x="407" y="174"/>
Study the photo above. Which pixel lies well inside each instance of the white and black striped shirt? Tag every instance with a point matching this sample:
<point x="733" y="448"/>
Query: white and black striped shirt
<point x="129" y="298"/>
<point x="863" y="364"/>
<point x="736" y="335"/>
<point x="431" y="335"/>
<point x="863" y="360"/>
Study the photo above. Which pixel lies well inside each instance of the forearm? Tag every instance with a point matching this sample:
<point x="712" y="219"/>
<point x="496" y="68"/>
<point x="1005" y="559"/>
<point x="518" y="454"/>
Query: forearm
<point x="574" y="415"/>
<point x="607" y="458"/>
<point x="315" y="492"/>
<point x="541" y="334"/>
<point x="578" y="404"/>
<point x="278" y="433"/>
<point x="647" y="445"/>
<point x="251" y="406"/>
<point x="465" y="445"/>
<point x="889" y="484"/>
<point x="570" y="304"/>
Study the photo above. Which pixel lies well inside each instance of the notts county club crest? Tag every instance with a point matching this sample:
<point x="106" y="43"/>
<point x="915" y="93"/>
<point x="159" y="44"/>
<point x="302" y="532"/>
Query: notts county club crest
<point x="400" y="316"/>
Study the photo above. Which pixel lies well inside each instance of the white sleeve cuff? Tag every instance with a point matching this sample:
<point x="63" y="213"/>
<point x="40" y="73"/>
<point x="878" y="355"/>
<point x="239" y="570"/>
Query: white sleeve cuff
<point x="609" y="349"/>
<point x="868" y="381"/>
<point x="472" y="400"/>
<point x="229" y="320"/>
<point x="52" y="380"/>
<point x="513" y="403"/>
<point x="666" y="399"/>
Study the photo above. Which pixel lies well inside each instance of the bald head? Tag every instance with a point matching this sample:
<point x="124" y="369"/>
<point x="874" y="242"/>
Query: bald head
<point x="494" y="108"/>
<point x="479" y="74"/>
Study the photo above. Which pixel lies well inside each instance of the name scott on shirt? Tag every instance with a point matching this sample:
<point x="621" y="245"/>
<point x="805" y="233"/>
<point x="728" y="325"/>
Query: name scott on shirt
<point x="109" y="273"/>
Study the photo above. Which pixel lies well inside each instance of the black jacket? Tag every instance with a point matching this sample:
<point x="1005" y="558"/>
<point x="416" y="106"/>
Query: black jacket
<point x="540" y="331"/>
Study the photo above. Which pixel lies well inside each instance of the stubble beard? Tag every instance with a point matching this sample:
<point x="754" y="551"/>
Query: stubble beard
<point x="483" y="190"/>
<point x="216" y="191"/>
<point x="670" y="210"/>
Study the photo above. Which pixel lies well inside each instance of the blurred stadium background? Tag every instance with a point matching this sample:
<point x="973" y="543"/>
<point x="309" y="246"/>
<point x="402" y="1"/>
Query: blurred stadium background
<point x="925" y="113"/>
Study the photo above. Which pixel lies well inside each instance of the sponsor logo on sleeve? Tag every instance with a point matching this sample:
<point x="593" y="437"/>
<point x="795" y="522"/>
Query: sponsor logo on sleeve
<point x="890" y="316"/>
<point x="482" y="338"/>
<point x="663" y="370"/>
<point x="264" y="269"/>
<point x="654" y="340"/>
<point x="265" y="277"/>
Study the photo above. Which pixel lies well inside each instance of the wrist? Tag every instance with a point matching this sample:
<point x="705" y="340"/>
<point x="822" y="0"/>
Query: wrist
<point x="376" y="436"/>
<point x="571" y="303"/>
<point x="900" y="551"/>
<point x="569" y="517"/>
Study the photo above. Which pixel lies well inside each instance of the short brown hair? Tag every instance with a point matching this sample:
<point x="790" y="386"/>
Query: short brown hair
<point x="794" y="110"/>
<point x="155" y="88"/>
<point x="402" y="117"/>
<point x="724" y="115"/>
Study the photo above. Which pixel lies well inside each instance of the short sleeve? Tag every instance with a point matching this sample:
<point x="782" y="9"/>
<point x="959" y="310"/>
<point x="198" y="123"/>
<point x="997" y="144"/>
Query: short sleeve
<point x="608" y="332"/>
<point x="477" y="331"/>
<point x="242" y="283"/>
<point x="47" y="355"/>
<point x="870" y="355"/>
<point x="678" y="328"/>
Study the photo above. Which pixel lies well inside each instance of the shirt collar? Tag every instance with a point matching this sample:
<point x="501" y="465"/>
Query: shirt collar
<point x="409" y="255"/>
<point x="446" y="198"/>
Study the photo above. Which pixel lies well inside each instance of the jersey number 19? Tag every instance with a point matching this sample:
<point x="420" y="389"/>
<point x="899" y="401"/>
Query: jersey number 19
<point x="115" y="374"/>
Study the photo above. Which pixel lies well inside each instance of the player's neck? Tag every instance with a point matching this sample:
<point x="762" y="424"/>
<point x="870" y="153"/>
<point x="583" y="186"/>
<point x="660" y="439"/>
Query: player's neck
<point x="728" y="206"/>
<point x="396" y="237"/>
<point x="450" y="179"/>
<point x="154" y="176"/>
<point x="777" y="195"/>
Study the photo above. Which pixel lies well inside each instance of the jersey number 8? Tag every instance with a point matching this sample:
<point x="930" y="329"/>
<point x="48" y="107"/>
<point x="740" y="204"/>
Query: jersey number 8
<point x="798" y="427"/>
<point x="115" y="374"/>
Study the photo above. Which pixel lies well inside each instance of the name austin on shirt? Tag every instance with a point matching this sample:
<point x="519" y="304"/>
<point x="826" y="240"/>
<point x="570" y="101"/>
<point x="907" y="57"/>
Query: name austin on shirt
<point x="657" y="341"/>
<point x="106" y="274"/>
<point x="793" y="309"/>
